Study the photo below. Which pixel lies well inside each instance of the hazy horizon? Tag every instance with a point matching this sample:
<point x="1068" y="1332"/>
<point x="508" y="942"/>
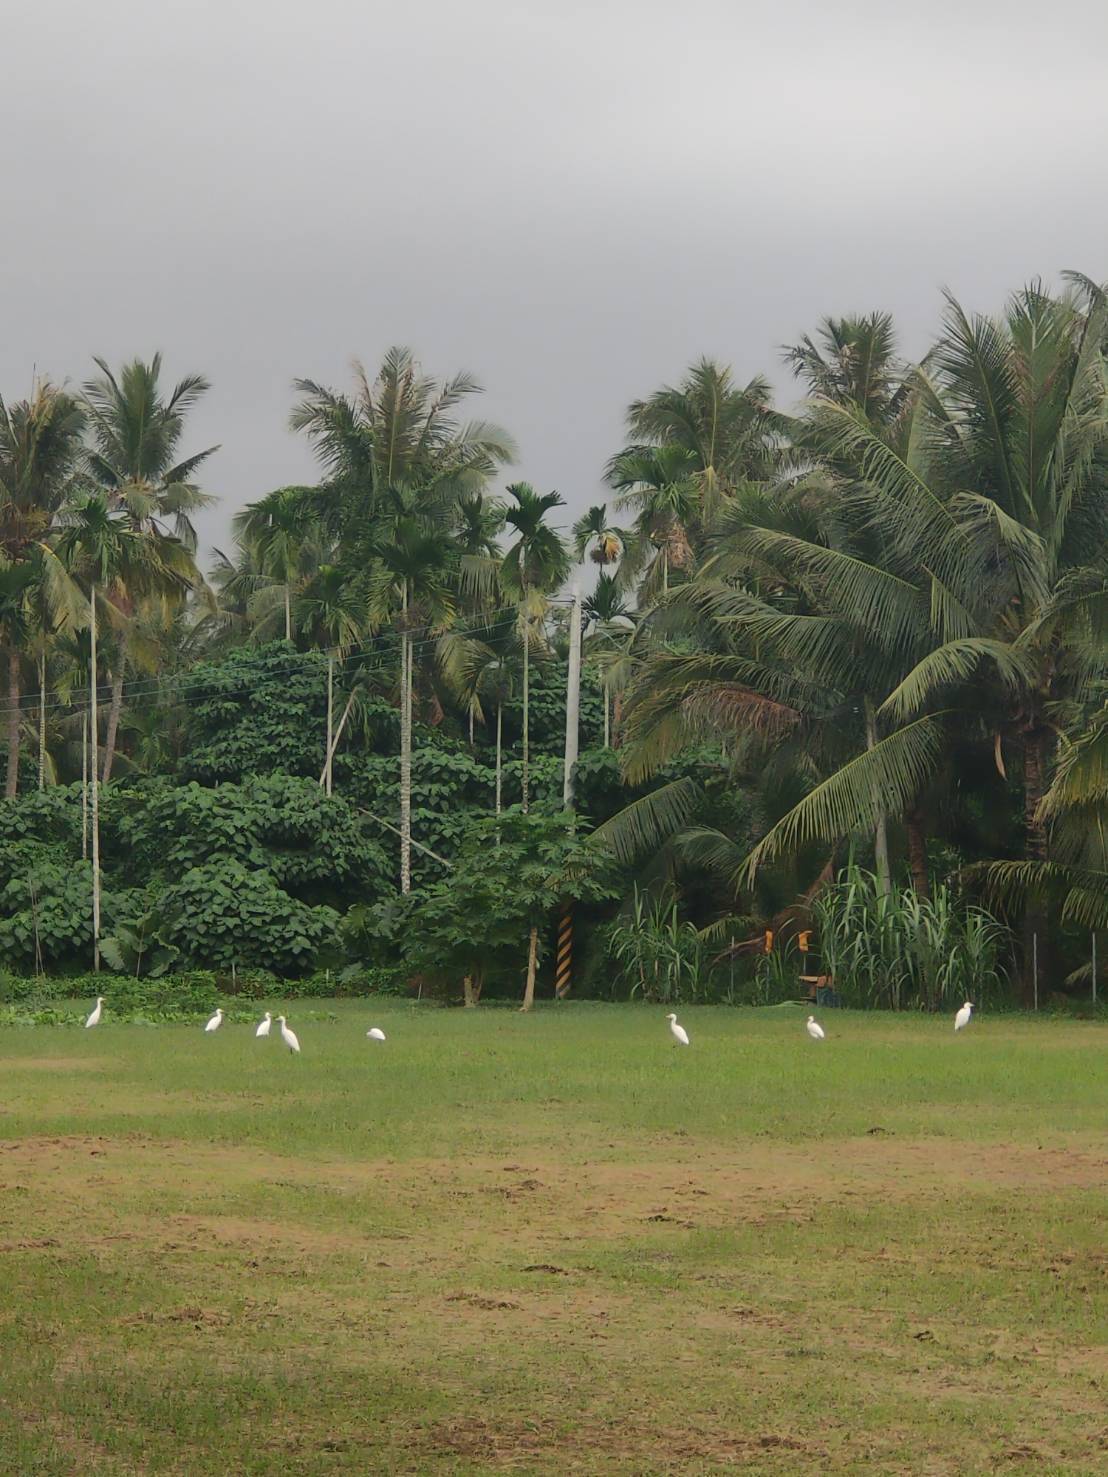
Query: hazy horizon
<point x="573" y="202"/>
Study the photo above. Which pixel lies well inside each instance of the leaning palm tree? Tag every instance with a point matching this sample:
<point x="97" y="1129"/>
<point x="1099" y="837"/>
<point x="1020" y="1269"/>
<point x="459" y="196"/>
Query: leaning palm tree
<point x="536" y="563"/>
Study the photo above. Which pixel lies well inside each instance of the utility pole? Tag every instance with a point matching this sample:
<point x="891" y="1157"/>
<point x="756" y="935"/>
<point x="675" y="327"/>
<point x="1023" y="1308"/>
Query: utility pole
<point x="563" y="964"/>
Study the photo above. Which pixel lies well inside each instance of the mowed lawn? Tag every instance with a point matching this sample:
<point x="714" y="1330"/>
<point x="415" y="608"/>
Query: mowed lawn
<point x="555" y="1244"/>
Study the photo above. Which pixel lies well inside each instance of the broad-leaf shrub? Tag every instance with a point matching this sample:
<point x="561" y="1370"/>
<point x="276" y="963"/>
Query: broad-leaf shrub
<point x="229" y="915"/>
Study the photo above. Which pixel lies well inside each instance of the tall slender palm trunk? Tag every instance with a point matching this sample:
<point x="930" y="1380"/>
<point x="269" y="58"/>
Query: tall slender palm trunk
<point x="11" y="784"/>
<point x="42" y="719"/>
<point x="288" y="613"/>
<point x="112" y="734"/>
<point x="1036" y="938"/>
<point x="84" y="785"/>
<point x="607" y="719"/>
<point x="330" y="746"/>
<point x="526" y="771"/>
<point x="881" y="831"/>
<point x="499" y="755"/>
<point x="917" y="854"/>
<point x="406" y="752"/>
<point x="94" y="767"/>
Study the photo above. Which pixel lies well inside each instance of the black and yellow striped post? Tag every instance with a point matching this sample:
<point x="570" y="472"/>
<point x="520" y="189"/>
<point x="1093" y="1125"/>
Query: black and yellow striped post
<point x="563" y="967"/>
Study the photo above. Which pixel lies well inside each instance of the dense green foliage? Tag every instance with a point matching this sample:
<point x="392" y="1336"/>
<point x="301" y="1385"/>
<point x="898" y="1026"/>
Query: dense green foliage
<point x="870" y="633"/>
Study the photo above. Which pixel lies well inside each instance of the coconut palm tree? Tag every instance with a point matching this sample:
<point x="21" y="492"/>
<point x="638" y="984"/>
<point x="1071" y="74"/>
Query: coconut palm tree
<point x="40" y="454"/>
<point x="998" y="495"/>
<point x="731" y="432"/>
<point x="398" y="429"/>
<point x="136" y="432"/>
<point x="536" y="563"/>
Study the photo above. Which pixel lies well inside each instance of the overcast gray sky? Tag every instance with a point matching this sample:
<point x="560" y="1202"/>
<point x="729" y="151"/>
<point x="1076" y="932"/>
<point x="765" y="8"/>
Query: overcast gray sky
<point x="570" y="199"/>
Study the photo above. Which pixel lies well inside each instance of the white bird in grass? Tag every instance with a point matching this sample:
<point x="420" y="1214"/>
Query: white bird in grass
<point x="287" y="1036"/>
<point x="962" y="1019"/>
<point x="679" y="1034"/>
<point x="375" y="1033"/>
<point x="264" y="1025"/>
<point x="216" y="1021"/>
<point x="94" y="1017"/>
<point x="815" y="1030"/>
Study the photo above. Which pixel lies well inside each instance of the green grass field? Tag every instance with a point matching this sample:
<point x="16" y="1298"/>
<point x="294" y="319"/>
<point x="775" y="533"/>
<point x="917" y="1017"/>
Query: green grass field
<point x="555" y="1244"/>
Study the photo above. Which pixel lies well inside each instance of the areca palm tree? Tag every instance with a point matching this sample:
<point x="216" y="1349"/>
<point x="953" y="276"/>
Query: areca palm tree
<point x="596" y="537"/>
<point x="609" y="627"/>
<point x="536" y="563"/>
<point x="661" y="485"/>
<point x="331" y="612"/>
<point x="274" y="534"/>
<point x="107" y="554"/>
<point x="411" y="584"/>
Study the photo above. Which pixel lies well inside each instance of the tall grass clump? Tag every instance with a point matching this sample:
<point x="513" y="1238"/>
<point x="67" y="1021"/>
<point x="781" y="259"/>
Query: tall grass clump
<point x="899" y="951"/>
<point x="658" y="957"/>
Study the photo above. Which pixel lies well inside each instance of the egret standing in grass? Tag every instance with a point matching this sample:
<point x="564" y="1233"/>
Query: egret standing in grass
<point x="815" y="1030"/>
<point x="287" y="1036"/>
<point x="962" y="1019"/>
<point x="679" y="1034"/>
<point x="216" y="1021"/>
<point x="375" y="1033"/>
<point x="264" y="1025"/>
<point x="94" y="1016"/>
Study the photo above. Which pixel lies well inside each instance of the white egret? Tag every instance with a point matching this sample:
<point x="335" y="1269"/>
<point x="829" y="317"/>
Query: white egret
<point x="216" y="1021"/>
<point x="375" y="1033"/>
<point x="679" y="1034"/>
<point x="94" y="1017"/>
<point x="287" y="1036"/>
<point x="815" y="1030"/>
<point x="962" y="1019"/>
<point x="264" y="1025"/>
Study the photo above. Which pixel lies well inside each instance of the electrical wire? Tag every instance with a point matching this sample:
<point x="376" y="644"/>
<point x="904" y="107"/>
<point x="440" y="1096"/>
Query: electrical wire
<point x="187" y="685"/>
